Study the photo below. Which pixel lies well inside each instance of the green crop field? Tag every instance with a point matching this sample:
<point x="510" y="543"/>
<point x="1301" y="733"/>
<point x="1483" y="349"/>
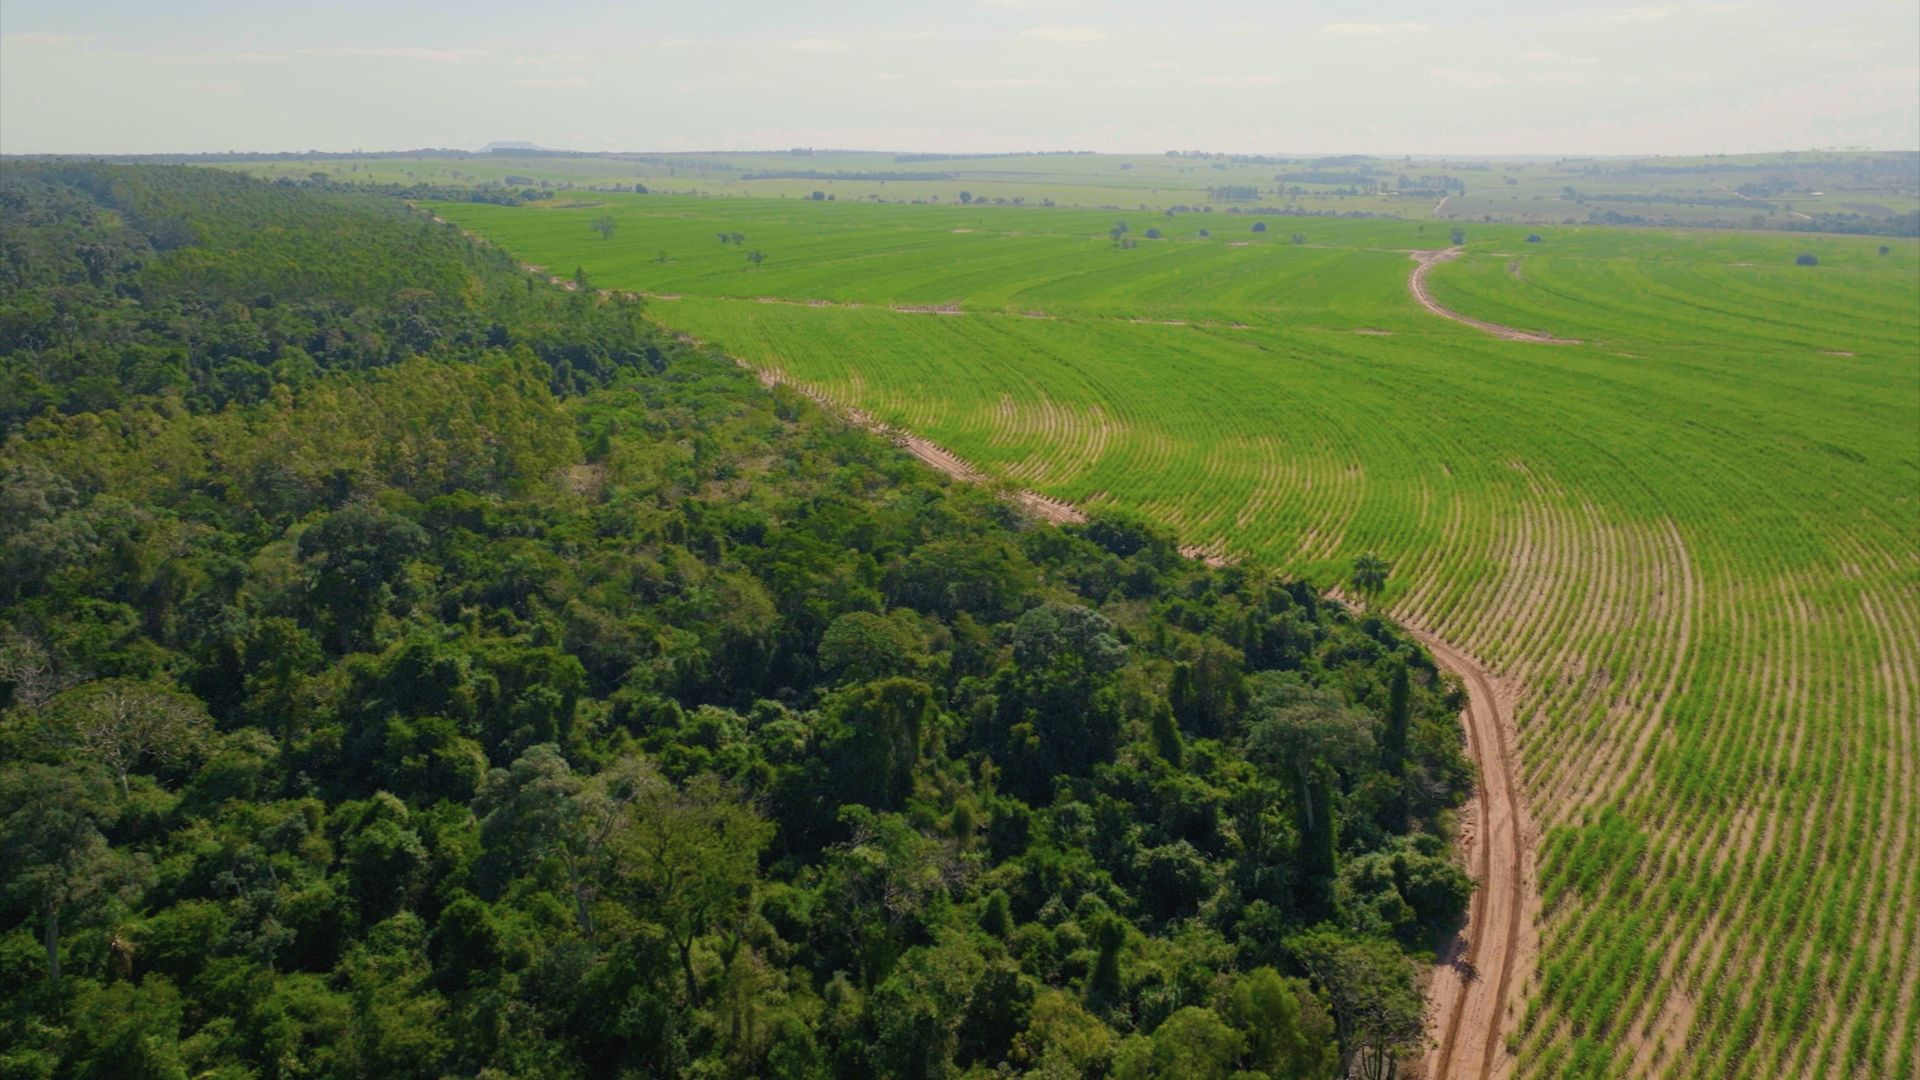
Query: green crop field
<point x="1690" y="545"/>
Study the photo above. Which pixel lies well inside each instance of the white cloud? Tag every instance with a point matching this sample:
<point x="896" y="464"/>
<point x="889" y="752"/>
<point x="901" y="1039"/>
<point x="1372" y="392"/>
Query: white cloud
<point x="1641" y="15"/>
<point x="997" y="84"/>
<point x="817" y="44"/>
<point x="886" y="76"/>
<point x="402" y="52"/>
<point x="1070" y="35"/>
<point x="1690" y="77"/>
<point x="1239" y="80"/>
<point x="1477" y="80"/>
<point x="1163" y="65"/>
<point x="1364" y="29"/>
<point x="1548" y="56"/>
<point x="235" y="59"/>
<point x="553" y="84"/>
<point x="43" y="41"/>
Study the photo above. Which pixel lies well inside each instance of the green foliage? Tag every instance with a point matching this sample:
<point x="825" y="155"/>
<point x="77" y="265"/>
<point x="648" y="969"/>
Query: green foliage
<point x="550" y="698"/>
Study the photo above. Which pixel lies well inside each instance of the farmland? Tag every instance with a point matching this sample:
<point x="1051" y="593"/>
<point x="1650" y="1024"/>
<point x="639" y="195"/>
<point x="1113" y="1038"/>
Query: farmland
<point x="1840" y="190"/>
<point x="1687" y="544"/>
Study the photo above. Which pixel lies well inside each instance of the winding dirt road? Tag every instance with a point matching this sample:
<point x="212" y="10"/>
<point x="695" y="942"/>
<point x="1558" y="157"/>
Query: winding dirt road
<point x="1476" y="979"/>
<point x="1417" y="285"/>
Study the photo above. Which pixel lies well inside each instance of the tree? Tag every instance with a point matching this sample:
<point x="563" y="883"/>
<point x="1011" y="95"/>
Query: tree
<point x="1193" y="1044"/>
<point x="818" y="196"/>
<point x="1308" y="736"/>
<point x="861" y="646"/>
<point x="1458" y="236"/>
<point x="756" y="257"/>
<point x="1288" y="1033"/>
<point x="690" y="858"/>
<point x="1259" y="226"/>
<point x="882" y="728"/>
<point x="539" y="809"/>
<point x="1884" y="249"/>
<point x="357" y="554"/>
<point x="1119" y="230"/>
<point x="1393" y="748"/>
<point x="604" y="225"/>
<point x="1377" y="1011"/>
<point x="32" y="671"/>
<point x="123" y="723"/>
<point x="1299" y="238"/>
<point x="1370" y="576"/>
<point x="1533" y="238"/>
<point x="53" y="857"/>
<point x="1806" y="258"/>
<point x="966" y="197"/>
<point x="1152" y="234"/>
<point x="1166" y="735"/>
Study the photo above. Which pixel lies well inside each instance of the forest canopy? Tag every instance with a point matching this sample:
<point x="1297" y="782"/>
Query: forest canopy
<point x="411" y="668"/>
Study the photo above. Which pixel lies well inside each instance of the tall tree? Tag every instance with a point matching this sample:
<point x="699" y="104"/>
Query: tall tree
<point x="53" y="856"/>
<point x="1393" y="749"/>
<point x="1370" y="576"/>
<point x="1377" y="1010"/>
<point x="124" y="723"/>
<point x="690" y="857"/>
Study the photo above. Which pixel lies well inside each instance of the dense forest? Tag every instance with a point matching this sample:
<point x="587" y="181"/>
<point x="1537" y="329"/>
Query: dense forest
<point x="409" y="668"/>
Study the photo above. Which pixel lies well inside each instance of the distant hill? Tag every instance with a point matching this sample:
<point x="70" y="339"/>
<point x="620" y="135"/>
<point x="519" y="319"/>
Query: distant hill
<point x="511" y="145"/>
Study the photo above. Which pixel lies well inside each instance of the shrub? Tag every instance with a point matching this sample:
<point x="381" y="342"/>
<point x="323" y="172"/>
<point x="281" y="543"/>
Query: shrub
<point x="1806" y="258"/>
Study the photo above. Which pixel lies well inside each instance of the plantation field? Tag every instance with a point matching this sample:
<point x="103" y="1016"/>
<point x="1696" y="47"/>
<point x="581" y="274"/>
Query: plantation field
<point x="1753" y="190"/>
<point x="1690" y="544"/>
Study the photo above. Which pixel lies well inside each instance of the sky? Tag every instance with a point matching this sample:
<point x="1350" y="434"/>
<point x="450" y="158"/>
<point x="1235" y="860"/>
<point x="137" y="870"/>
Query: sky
<point x="1390" y="77"/>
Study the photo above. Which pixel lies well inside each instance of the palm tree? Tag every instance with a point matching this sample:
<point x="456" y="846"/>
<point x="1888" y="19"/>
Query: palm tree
<point x="1370" y="576"/>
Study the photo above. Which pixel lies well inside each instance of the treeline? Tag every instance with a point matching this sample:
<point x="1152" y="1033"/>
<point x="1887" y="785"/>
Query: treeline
<point x="834" y="174"/>
<point x="521" y="692"/>
<point x="117" y="283"/>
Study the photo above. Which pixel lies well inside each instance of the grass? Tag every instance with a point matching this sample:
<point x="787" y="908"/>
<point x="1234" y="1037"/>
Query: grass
<point x="1694" y="540"/>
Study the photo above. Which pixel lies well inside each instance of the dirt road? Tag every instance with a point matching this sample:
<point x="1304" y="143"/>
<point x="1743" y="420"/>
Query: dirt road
<point x="1417" y="285"/>
<point x="1476" y="980"/>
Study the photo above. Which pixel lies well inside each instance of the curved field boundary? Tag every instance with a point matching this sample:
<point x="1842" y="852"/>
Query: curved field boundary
<point x="1417" y="285"/>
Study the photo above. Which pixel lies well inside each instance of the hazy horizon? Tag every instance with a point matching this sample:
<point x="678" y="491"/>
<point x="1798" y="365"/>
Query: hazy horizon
<point x="1486" y="78"/>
